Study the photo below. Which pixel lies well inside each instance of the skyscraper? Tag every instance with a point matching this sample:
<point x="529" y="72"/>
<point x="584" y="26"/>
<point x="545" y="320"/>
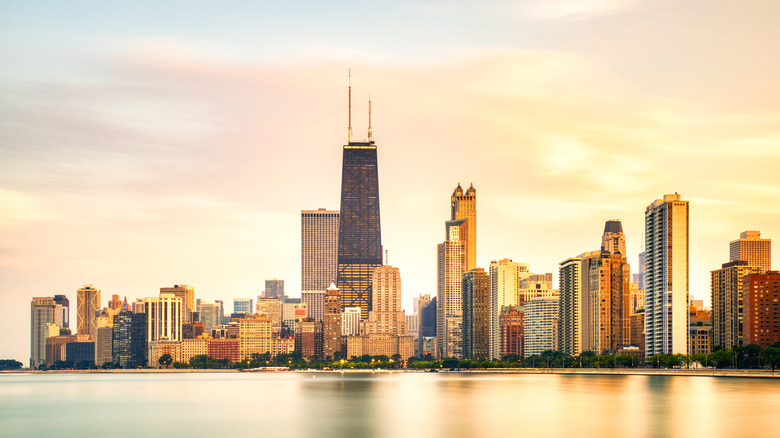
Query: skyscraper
<point x="504" y="284"/>
<point x="42" y="312"/>
<point x="613" y="239"/>
<point x="572" y="310"/>
<point x="187" y="295"/>
<point x="164" y="317"/>
<point x="274" y="288"/>
<point x="666" y="288"/>
<point x="331" y="322"/>
<point x="87" y="303"/>
<point x="540" y="325"/>
<point x="63" y="317"/>
<point x="476" y="313"/>
<point x="751" y="248"/>
<point x="451" y="267"/>
<point x="727" y="302"/>
<point x="243" y="305"/>
<point x="360" y="239"/>
<point x="761" y="305"/>
<point x="464" y="207"/>
<point x="386" y="316"/>
<point x="319" y="248"/>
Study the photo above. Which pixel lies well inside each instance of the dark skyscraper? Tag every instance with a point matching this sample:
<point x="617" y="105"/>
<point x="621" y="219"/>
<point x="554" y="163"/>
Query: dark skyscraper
<point x="360" y="240"/>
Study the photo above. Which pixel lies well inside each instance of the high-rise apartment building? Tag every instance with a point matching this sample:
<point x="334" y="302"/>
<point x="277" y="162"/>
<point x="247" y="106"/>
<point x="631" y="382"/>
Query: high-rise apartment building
<point x="187" y="295"/>
<point x="272" y="309"/>
<point x="164" y="316"/>
<point x="387" y="316"/>
<point x="761" y="294"/>
<point x="666" y="276"/>
<point x="331" y="322"/>
<point x="87" y="303"/>
<point x="476" y="313"/>
<point x="129" y="339"/>
<point x="315" y="303"/>
<point x="751" y="248"/>
<point x="319" y="248"/>
<point x="540" y="325"/>
<point x="510" y="322"/>
<point x="350" y="321"/>
<point x="42" y="312"/>
<point x="254" y="334"/>
<point x="274" y="288"/>
<point x="609" y="302"/>
<point x="727" y="302"/>
<point x="451" y="265"/>
<point x="505" y="277"/>
<point x="573" y="309"/>
<point x="464" y="208"/>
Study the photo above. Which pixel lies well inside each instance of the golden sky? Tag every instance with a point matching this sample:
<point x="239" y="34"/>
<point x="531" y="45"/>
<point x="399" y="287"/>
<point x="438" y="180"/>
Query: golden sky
<point x="156" y="144"/>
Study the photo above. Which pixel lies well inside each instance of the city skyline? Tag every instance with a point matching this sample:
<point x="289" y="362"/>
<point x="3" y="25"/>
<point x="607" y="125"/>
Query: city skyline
<point x="153" y="157"/>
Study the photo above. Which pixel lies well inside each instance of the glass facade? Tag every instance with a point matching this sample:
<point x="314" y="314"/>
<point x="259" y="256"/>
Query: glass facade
<point x="360" y="241"/>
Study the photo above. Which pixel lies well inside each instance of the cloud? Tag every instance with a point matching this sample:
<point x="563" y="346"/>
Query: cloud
<point x="574" y="9"/>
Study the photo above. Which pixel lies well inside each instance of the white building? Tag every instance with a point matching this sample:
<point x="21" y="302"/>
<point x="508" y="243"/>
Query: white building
<point x="164" y="316"/>
<point x="666" y="276"/>
<point x="540" y="325"/>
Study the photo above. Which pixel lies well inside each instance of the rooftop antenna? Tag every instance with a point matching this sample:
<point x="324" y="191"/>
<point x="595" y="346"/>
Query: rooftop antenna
<point x="385" y="257"/>
<point x="370" y="131"/>
<point x="349" y="128"/>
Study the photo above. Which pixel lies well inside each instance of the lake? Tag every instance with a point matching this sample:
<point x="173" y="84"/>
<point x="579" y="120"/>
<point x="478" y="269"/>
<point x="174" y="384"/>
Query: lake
<point x="385" y="405"/>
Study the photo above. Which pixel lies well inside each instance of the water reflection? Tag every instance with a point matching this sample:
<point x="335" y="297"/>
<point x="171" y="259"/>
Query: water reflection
<point x="385" y="405"/>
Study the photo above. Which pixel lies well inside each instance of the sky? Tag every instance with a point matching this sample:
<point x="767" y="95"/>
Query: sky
<point x="153" y="143"/>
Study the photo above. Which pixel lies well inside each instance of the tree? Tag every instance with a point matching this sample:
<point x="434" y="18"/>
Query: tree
<point x="165" y="360"/>
<point x="10" y="364"/>
<point x="771" y="356"/>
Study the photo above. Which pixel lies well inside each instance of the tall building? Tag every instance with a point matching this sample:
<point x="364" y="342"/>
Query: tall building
<point x="274" y="288"/>
<point x="666" y="288"/>
<point x="609" y="302"/>
<point x="350" y="321"/>
<point x="63" y="312"/>
<point x="42" y="312"/>
<point x="319" y="248"/>
<point x="505" y="276"/>
<point x="573" y="311"/>
<point x="464" y="207"/>
<point x="639" y="277"/>
<point x="751" y="248"/>
<point x="540" y="325"/>
<point x="164" y="316"/>
<point x="451" y="267"/>
<point x="761" y="305"/>
<point x="510" y="321"/>
<point x="387" y="316"/>
<point x="243" y="305"/>
<point x="727" y="302"/>
<point x="613" y="239"/>
<point x="254" y="334"/>
<point x="331" y="322"/>
<point x="210" y="314"/>
<point x="360" y="237"/>
<point x="87" y="303"/>
<point x="129" y="343"/>
<point x="187" y="295"/>
<point x="272" y="309"/>
<point x="315" y="303"/>
<point x="476" y="313"/>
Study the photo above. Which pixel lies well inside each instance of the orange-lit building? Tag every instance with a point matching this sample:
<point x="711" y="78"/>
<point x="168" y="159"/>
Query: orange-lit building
<point x="226" y="348"/>
<point x="761" y="305"/>
<point x="510" y="323"/>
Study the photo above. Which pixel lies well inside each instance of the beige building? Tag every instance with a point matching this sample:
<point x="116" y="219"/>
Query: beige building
<point x="282" y="345"/>
<point x="350" y="321"/>
<point x="254" y="334"/>
<point x="159" y="348"/>
<point x="319" y="248"/>
<point x="164" y="317"/>
<point x="104" y="344"/>
<point x="379" y="344"/>
<point x="194" y="347"/>
<point x="727" y="303"/>
<point x="315" y="303"/>
<point x="451" y="267"/>
<point x="331" y="322"/>
<point x="87" y="304"/>
<point x="505" y="278"/>
<point x="464" y="207"/>
<point x="386" y="316"/>
<point x="751" y="248"/>
<point x="42" y="314"/>
<point x="187" y="295"/>
<point x="271" y="308"/>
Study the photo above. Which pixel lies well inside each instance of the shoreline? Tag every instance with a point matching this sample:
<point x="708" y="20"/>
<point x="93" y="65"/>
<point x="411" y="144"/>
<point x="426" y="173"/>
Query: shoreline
<point x="562" y="371"/>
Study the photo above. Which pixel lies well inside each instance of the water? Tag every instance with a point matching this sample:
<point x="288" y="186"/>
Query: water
<point x="385" y="405"/>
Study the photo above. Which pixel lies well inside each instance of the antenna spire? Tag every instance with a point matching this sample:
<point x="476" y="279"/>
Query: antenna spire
<point x="349" y="127"/>
<point x="370" y="131"/>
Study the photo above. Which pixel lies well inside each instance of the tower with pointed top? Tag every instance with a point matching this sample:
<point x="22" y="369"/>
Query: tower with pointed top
<point x="464" y="207"/>
<point x="360" y="239"/>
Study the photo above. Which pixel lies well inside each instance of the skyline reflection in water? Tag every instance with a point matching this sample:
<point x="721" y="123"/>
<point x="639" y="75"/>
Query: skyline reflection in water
<point x="385" y="405"/>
